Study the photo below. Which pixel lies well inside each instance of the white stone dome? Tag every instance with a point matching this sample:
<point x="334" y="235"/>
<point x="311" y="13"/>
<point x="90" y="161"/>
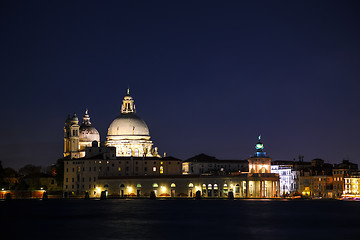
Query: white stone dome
<point x="88" y="134"/>
<point x="128" y="124"/>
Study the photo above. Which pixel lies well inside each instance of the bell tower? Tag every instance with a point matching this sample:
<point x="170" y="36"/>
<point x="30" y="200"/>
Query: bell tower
<point x="71" y="137"/>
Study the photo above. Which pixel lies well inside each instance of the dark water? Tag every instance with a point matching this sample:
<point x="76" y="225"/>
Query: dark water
<point x="179" y="219"/>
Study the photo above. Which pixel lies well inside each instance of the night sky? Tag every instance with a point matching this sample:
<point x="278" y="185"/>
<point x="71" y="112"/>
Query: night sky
<point x="207" y="77"/>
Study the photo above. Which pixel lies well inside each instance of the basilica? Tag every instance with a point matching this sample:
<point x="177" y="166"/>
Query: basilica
<point x="127" y="164"/>
<point x="128" y="133"/>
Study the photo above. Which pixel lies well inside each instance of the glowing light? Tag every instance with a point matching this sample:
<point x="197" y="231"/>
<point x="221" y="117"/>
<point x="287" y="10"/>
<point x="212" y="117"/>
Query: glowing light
<point x="173" y="185"/>
<point x="191" y="185"/>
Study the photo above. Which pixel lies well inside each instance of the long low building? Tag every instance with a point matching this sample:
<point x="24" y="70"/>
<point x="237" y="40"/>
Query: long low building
<point x="246" y="185"/>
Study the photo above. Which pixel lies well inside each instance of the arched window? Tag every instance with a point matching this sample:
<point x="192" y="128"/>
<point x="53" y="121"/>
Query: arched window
<point x="129" y="152"/>
<point x="106" y="186"/>
<point x="204" y="186"/>
<point x="225" y="186"/>
<point x="122" y="185"/>
<point x="138" y="185"/>
<point x="215" y="186"/>
<point x="191" y="185"/>
<point x="155" y="185"/>
<point x="209" y="186"/>
<point x="173" y="185"/>
<point x="136" y="152"/>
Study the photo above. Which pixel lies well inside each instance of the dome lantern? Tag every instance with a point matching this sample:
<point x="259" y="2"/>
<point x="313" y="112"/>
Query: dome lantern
<point x="128" y="105"/>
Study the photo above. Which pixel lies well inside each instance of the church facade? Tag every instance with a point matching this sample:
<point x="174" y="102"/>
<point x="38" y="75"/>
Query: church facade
<point x="128" y="165"/>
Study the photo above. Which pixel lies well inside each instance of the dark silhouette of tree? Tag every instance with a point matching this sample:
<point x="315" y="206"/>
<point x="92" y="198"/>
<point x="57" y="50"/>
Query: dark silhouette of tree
<point x="22" y="185"/>
<point x="2" y="182"/>
<point x="9" y="178"/>
<point x="1" y="170"/>
<point x="30" y="175"/>
<point x="30" y="171"/>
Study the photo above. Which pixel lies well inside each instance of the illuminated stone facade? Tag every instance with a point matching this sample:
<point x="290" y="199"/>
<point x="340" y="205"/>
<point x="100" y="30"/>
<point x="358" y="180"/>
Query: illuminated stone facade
<point x="257" y="184"/>
<point x="210" y="186"/>
<point x="288" y="178"/>
<point x="352" y="186"/>
<point x="71" y="137"/>
<point x="81" y="175"/>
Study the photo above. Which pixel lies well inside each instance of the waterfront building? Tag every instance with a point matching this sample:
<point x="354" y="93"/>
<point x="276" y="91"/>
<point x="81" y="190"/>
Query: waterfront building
<point x="316" y="180"/>
<point x="259" y="183"/>
<point x="352" y="185"/>
<point x="288" y="178"/>
<point x="210" y="186"/>
<point x="340" y="171"/>
<point x="81" y="175"/>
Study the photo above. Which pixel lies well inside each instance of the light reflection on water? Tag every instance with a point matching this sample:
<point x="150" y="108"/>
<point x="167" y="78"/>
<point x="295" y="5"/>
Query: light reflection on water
<point x="181" y="219"/>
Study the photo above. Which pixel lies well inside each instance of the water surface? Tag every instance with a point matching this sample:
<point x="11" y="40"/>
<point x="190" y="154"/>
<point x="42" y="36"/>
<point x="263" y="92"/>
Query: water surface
<point x="180" y="219"/>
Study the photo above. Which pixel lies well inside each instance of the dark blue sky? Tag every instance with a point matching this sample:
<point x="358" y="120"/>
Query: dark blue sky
<point x="206" y="76"/>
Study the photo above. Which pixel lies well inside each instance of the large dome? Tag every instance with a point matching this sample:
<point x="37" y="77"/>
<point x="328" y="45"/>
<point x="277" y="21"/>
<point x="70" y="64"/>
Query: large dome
<point x="128" y="124"/>
<point x="129" y="134"/>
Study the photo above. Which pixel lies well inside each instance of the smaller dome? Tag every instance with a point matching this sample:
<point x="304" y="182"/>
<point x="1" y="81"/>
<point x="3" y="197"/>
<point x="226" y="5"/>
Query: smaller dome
<point x="88" y="134"/>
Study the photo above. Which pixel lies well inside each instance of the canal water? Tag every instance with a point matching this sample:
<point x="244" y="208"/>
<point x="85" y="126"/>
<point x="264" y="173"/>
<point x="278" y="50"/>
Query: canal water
<point x="179" y="219"/>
